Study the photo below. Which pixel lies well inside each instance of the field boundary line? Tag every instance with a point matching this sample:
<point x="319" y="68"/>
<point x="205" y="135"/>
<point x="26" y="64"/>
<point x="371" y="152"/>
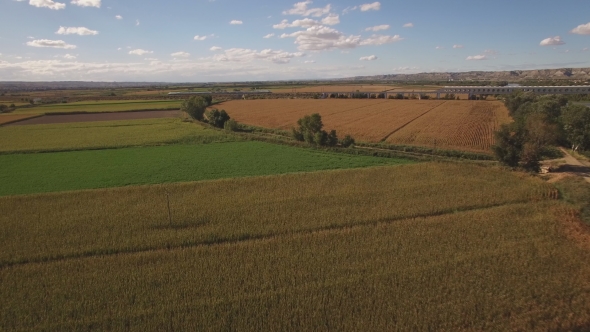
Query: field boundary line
<point x="256" y="238"/>
<point x="405" y="125"/>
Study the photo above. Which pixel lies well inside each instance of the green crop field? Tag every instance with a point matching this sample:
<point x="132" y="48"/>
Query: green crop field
<point x="58" y="171"/>
<point x="427" y="246"/>
<point x="103" y="106"/>
<point x="103" y="134"/>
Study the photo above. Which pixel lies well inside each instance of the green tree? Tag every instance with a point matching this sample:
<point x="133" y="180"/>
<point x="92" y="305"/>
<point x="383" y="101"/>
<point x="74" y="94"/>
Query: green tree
<point x="195" y="107"/>
<point x="576" y="125"/>
<point x="3" y="108"/>
<point x="217" y="118"/>
<point x="347" y="141"/>
<point x="310" y="131"/>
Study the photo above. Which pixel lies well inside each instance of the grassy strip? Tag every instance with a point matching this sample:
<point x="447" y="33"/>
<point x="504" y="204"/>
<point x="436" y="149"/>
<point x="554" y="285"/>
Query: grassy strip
<point x="429" y="151"/>
<point x="48" y="172"/>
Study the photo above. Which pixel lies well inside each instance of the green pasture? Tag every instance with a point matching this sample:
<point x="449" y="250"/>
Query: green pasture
<point x="103" y="106"/>
<point x="60" y="171"/>
<point x="103" y="134"/>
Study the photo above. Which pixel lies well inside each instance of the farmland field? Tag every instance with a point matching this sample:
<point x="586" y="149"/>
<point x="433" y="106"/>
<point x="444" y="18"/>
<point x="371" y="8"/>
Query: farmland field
<point x="104" y="134"/>
<point x="102" y="106"/>
<point x="455" y="125"/>
<point x="312" y="251"/>
<point x="59" y="171"/>
<point x="458" y="124"/>
<point x="8" y="118"/>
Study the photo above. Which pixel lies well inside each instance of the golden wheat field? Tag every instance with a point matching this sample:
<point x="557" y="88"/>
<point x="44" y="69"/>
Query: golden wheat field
<point x="420" y="247"/>
<point x="467" y="125"/>
<point x="459" y="124"/>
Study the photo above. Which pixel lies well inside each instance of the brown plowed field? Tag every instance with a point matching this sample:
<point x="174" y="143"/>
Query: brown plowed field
<point x="89" y="117"/>
<point x="10" y="118"/>
<point x="467" y="125"/>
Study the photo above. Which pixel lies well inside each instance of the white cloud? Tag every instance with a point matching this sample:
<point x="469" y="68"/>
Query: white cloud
<point x="582" y="29"/>
<point x="50" y="43"/>
<point x="236" y="22"/>
<point x="585" y="49"/>
<point x="349" y="9"/>
<point x="119" y="49"/>
<point x="270" y="35"/>
<point x="215" y="48"/>
<point x="139" y="51"/>
<point x="47" y="4"/>
<point x="378" y="27"/>
<point x="86" y="3"/>
<point x="180" y="55"/>
<point x="371" y="6"/>
<point x="301" y="8"/>
<point x="200" y="38"/>
<point x="247" y="55"/>
<point x="408" y="25"/>
<point x="439" y="48"/>
<point x="137" y="23"/>
<point x="69" y="56"/>
<point x="477" y="57"/>
<point x="319" y="38"/>
<point x="309" y="61"/>
<point x="368" y="58"/>
<point x="381" y="40"/>
<point x="457" y="46"/>
<point x="119" y="17"/>
<point x="82" y="31"/>
<point x="331" y="19"/>
<point x="552" y="41"/>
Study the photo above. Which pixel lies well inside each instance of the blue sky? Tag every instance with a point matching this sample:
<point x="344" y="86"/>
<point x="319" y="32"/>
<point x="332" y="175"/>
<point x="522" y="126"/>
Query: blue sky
<point x="224" y="40"/>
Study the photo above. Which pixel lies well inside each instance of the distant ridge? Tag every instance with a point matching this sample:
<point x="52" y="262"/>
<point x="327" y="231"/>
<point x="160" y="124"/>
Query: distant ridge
<point x="582" y="74"/>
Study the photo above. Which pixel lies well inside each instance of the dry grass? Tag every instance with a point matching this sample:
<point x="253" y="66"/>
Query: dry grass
<point x="465" y="125"/>
<point x="421" y="247"/>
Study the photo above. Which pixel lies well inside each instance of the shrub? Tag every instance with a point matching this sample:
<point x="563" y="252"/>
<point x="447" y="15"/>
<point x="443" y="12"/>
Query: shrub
<point x="347" y="141"/>
<point x="230" y="125"/>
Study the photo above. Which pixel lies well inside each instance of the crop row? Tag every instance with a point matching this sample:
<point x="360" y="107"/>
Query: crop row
<point x="503" y="268"/>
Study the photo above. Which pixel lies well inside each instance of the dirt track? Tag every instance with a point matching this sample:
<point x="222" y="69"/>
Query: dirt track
<point x="89" y="117"/>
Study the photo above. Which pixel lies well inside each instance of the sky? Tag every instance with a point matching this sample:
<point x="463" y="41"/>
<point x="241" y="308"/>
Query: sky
<point x="246" y="40"/>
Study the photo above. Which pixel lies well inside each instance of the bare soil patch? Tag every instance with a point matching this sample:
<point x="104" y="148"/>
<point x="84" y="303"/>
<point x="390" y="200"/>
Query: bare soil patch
<point x="90" y="117"/>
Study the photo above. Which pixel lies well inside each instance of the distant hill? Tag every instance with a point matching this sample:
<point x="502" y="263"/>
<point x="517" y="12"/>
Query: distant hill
<point x="577" y="74"/>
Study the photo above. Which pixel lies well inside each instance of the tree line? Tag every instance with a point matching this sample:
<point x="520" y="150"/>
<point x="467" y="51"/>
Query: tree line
<point x="540" y="121"/>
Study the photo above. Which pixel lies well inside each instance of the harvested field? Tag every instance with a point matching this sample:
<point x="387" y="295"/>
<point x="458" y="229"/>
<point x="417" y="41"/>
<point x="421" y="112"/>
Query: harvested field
<point x="465" y="125"/>
<point x="453" y="124"/>
<point x="367" y="120"/>
<point x="11" y="118"/>
<point x="91" y="117"/>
